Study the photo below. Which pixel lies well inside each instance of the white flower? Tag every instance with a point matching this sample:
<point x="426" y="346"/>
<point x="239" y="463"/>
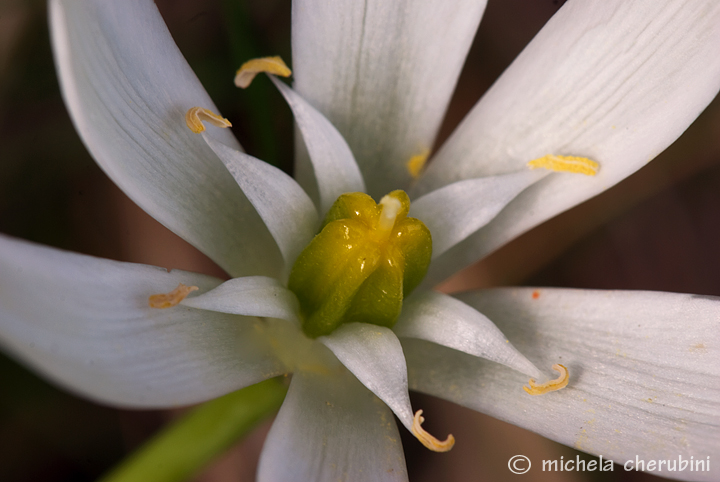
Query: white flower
<point x="613" y="81"/>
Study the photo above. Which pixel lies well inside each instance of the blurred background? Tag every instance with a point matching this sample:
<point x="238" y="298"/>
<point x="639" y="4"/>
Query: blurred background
<point x="657" y="230"/>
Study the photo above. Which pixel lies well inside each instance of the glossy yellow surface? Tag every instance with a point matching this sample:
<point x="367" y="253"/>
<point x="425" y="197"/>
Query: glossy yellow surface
<point x="365" y="260"/>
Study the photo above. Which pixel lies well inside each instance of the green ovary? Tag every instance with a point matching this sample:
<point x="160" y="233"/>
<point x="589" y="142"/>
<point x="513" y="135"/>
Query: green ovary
<point x="365" y="260"/>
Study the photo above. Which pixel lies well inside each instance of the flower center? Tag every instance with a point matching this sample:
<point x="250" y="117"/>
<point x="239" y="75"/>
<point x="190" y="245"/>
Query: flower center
<point x="365" y="260"/>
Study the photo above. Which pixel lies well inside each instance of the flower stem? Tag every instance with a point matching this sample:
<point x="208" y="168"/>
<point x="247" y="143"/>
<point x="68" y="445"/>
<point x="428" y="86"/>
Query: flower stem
<point x="185" y="447"/>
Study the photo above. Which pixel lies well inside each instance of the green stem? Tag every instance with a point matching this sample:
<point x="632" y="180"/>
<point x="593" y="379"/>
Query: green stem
<point x="181" y="450"/>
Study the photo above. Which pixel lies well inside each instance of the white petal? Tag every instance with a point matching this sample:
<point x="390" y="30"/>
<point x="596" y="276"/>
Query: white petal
<point x="382" y="73"/>
<point x="282" y="204"/>
<point x="334" y="166"/>
<point x="613" y="81"/>
<point x="127" y="88"/>
<point x="447" y="321"/>
<point x="644" y="370"/>
<point x="332" y="428"/>
<point x="250" y="296"/>
<point x="374" y="355"/>
<point x="454" y="212"/>
<point x="85" y="323"/>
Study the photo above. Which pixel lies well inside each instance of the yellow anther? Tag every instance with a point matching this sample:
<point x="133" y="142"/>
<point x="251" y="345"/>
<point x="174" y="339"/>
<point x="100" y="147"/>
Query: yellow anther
<point x="168" y="300"/>
<point x="428" y="440"/>
<point x="416" y="163"/>
<point x="578" y="165"/>
<point x="194" y="119"/>
<point x="270" y="65"/>
<point x="552" y="385"/>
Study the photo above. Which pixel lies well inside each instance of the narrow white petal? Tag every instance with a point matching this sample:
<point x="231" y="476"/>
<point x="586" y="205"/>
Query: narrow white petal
<point x="250" y="296"/>
<point x="374" y="355"/>
<point x="127" y="88"/>
<point x="613" y="81"/>
<point x="454" y="212"/>
<point x="332" y="428"/>
<point x="85" y="323"/>
<point x="447" y="321"/>
<point x="382" y="73"/>
<point x="334" y="166"/>
<point x="644" y="370"/>
<point x="284" y="207"/>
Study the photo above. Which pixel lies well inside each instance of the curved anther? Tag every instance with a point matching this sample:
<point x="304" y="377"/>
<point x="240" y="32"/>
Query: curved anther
<point x="168" y="300"/>
<point x="428" y="440"/>
<point x="195" y="117"/>
<point x="416" y="163"/>
<point x="269" y="65"/>
<point x="552" y="385"/>
<point x="574" y="164"/>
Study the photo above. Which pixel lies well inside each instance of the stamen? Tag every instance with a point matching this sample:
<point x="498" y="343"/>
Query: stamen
<point x="390" y="209"/>
<point x="194" y="119"/>
<point x="168" y="300"/>
<point x="271" y="65"/>
<point x="416" y="163"/>
<point x="552" y="385"/>
<point x="578" y="165"/>
<point x="428" y="440"/>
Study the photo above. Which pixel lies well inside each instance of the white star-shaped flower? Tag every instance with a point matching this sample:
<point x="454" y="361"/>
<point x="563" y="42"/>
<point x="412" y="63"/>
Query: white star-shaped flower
<point x="607" y="80"/>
